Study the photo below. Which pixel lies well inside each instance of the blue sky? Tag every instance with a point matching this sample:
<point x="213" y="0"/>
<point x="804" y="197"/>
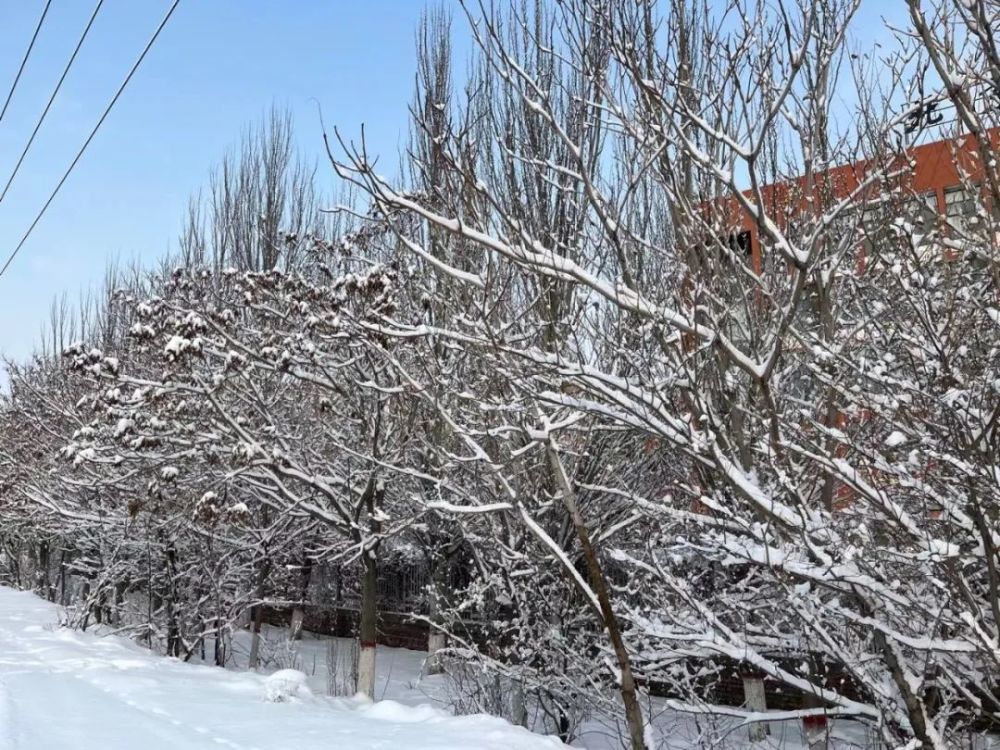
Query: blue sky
<point x="217" y="67"/>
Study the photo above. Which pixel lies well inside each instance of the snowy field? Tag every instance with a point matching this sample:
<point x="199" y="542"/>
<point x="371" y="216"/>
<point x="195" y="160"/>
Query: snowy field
<point x="400" y="680"/>
<point x="63" y="690"/>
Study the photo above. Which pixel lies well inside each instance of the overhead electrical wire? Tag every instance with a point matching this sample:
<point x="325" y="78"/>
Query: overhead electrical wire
<point x="90" y="137"/>
<point x="24" y="60"/>
<point x="52" y="98"/>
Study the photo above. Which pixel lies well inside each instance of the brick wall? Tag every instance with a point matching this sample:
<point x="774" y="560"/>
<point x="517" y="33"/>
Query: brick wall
<point x="395" y="629"/>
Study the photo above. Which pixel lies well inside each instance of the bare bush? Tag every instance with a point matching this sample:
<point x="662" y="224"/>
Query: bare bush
<point x="342" y="666"/>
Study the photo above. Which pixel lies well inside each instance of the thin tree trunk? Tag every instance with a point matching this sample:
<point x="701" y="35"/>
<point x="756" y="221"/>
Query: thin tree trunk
<point x="119" y="601"/>
<point x="173" y="630"/>
<point x="436" y="638"/>
<point x="44" y="588"/>
<point x="62" y="579"/>
<point x="831" y="411"/>
<point x="633" y="711"/>
<point x="298" y="612"/>
<point x="220" y="652"/>
<point x="369" y="591"/>
<point x="367" y="632"/>
<point x="257" y="614"/>
<point x="85" y="598"/>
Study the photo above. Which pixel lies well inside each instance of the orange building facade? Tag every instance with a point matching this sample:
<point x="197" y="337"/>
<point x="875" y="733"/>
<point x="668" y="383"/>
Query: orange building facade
<point x="936" y="182"/>
<point x="937" y="178"/>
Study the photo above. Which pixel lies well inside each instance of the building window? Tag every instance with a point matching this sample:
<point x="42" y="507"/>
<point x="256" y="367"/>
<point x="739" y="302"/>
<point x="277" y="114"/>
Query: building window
<point x="924" y="212"/>
<point x="961" y="209"/>
<point x="881" y="222"/>
<point x="876" y="222"/>
<point x="740" y="244"/>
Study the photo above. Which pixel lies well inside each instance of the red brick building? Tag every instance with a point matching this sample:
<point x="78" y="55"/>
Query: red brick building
<point x="933" y="185"/>
<point x="936" y="179"/>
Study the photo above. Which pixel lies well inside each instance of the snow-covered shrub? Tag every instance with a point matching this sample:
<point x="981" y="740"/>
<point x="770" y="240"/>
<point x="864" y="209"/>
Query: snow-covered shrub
<point x="286" y="655"/>
<point x="285" y="685"/>
<point x="473" y="688"/>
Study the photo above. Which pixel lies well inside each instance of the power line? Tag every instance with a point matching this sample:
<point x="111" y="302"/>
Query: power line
<point x="90" y="137"/>
<point x="24" y="60"/>
<point x="48" y="106"/>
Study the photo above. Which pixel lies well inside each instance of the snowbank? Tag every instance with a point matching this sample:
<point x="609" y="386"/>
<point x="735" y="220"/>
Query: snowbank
<point x="61" y="689"/>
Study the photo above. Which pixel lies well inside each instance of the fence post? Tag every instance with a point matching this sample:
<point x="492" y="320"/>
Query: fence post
<point x="518" y="709"/>
<point x="816" y="731"/>
<point x="756" y="701"/>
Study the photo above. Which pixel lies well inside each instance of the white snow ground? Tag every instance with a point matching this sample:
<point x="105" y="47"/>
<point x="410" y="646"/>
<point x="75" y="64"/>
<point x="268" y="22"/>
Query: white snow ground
<point x="399" y="679"/>
<point x="64" y="690"/>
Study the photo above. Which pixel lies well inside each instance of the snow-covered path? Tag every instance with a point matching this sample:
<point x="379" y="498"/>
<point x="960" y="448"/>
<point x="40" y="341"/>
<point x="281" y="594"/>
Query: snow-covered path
<point x="61" y="689"/>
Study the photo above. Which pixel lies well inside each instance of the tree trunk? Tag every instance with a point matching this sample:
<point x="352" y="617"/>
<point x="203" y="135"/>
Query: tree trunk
<point x="173" y="629"/>
<point x="436" y="638"/>
<point x="633" y="711"/>
<point x="43" y="587"/>
<point x="255" y="625"/>
<point x="299" y="612"/>
<point x="257" y="614"/>
<point x="220" y="646"/>
<point x="367" y="633"/>
<point x="119" y="601"/>
<point x="63" y="599"/>
<point x="369" y="591"/>
<point x="85" y="599"/>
